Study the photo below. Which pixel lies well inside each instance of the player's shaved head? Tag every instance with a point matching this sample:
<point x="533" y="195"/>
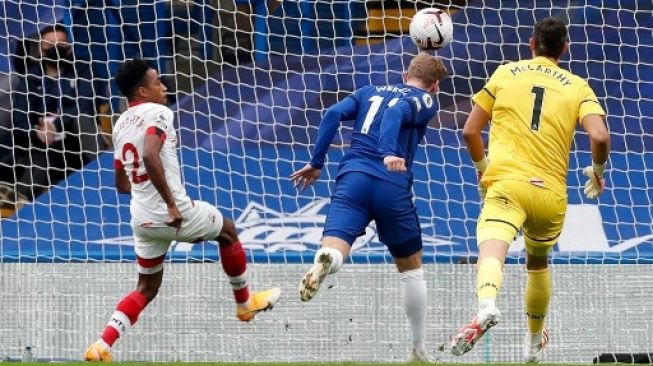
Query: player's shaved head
<point x="131" y="74"/>
<point x="550" y="36"/>
<point x="426" y="68"/>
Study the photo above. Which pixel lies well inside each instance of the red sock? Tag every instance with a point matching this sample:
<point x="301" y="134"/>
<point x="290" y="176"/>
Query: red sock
<point x="234" y="264"/>
<point x="125" y="316"/>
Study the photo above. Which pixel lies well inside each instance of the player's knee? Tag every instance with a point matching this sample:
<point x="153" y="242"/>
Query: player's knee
<point x="535" y="262"/>
<point x="150" y="266"/>
<point x="410" y="263"/>
<point x="228" y="235"/>
<point x="408" y="252"/>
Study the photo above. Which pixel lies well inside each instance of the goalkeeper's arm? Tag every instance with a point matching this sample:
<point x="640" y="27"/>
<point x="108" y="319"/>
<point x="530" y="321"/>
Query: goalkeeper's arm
<point x="600" y="145"/>
<point x="599" y="138"/>
<point x="476" y="122"/>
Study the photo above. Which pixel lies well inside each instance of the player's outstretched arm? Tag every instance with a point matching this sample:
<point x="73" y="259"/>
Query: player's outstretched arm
<point x="600" y="145"/>
<point x="341" y="111"/>
<point x="154" y="168"/>
<point x="476" y="121"/>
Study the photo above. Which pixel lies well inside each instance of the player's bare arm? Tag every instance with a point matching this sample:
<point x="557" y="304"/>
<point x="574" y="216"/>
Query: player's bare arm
<point x="122" y="181"/>
<point x="600" y="145"/>
<point x="476" y="122"/>
<point x="599" y="137"/>
<point x="154" y="168"/>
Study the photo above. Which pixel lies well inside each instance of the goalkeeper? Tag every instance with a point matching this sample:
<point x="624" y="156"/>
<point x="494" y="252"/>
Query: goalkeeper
<point x="374" y="182"/>
<point x="534" y="106"/>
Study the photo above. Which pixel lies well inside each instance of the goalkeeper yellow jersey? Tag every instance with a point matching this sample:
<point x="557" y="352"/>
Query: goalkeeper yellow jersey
<point x="535" y="106"/>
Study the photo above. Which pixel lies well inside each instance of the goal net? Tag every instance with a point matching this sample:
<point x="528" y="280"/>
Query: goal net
<point x="249" y="82"/>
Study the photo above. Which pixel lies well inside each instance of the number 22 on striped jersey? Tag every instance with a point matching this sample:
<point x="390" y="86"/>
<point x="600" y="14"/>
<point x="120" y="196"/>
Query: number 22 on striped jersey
<point x="130" y="148"/>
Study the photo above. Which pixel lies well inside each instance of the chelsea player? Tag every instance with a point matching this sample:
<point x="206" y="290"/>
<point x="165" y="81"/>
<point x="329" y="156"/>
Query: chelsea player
<point x="374" y="182"/>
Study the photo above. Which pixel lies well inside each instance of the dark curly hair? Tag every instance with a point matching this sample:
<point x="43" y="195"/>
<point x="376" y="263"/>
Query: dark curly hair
<point x="131" y="75"/>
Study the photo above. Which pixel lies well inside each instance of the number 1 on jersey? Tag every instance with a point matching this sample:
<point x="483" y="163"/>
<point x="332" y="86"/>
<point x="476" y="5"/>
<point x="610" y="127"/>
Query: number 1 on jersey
<point x="537" y="107"/>
<point x="376" y="101"/>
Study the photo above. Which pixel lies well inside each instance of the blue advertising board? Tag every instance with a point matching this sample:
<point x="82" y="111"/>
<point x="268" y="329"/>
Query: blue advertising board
<point x="85" y="219"/>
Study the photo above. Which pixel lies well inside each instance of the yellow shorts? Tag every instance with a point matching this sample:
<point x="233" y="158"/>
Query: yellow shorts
<point x="511" y="205"/>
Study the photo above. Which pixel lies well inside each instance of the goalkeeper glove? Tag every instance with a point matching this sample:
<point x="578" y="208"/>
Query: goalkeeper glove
<point x="595" y="183"/>
<point x="481" y="166"/>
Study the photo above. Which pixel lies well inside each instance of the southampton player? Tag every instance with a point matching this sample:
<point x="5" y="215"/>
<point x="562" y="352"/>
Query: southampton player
<point x="147" y="167"/>
<point x="534" y="106"/>
<point x="374" y="182"/>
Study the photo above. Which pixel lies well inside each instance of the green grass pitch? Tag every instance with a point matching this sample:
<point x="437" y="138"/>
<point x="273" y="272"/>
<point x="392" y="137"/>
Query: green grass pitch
<point x="276" y="364"/>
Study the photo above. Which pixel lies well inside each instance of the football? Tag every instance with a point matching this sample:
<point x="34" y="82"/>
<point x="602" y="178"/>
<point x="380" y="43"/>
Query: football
<point x="431" y="29"/>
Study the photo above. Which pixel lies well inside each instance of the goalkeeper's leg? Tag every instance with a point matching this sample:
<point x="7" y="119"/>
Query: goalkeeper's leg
<point x="328" y="260"/>
<point x="501" y="218"/>
<point x="129" y="308"/>
<point x="541" y="236"/>
<point x="537" y="298"/>
<point x="492" y="254"/>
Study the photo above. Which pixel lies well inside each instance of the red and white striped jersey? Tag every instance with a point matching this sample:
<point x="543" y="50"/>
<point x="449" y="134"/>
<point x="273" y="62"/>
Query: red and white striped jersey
<point x="147" y="206"/>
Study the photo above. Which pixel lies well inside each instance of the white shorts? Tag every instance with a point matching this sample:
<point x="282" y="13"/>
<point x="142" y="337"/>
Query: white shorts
<point x="202" y="222"/>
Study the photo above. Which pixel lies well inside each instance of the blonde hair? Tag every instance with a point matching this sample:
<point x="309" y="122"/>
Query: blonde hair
<point x="426" y="68"/>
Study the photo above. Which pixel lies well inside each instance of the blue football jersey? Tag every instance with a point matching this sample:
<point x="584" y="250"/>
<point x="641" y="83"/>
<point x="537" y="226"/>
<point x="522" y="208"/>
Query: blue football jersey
<point x="388" y="120"/>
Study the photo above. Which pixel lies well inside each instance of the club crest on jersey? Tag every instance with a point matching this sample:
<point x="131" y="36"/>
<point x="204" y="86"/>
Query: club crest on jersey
<point x="160" y="120"/>
<point x="428" y="101"/>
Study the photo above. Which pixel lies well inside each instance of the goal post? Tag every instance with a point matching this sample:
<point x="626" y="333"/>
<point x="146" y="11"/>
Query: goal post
<point x="247" y="112"/>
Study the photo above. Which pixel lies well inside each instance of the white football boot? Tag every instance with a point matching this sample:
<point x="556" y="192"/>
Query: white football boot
<point x="313" y="278"/>
<point x="470" y="333"/>
<point x="534" y="345"/>
<point x="421" y="356"/>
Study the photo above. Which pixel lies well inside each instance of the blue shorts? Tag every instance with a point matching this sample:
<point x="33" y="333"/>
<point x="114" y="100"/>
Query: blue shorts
<point x="360" y="198"/>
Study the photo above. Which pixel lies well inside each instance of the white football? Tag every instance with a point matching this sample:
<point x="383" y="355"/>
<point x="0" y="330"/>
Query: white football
<point x="431" y="29"/>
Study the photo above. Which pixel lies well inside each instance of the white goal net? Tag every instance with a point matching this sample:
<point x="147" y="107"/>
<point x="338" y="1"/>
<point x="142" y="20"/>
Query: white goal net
<point x="249" y="81"/>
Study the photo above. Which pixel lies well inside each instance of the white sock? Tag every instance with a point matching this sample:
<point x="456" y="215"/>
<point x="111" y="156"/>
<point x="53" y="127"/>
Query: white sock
<point x="413" y="294"/>
<point x="103" y="343"/>
<point x="486" y="303"/>
<point x="336" y="258"/>
<point x="120" y="322"/>
<point x="533" y="339"/>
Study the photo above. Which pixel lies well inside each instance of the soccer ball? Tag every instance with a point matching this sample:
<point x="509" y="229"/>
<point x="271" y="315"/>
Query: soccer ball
<point x="431" y="29"/>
